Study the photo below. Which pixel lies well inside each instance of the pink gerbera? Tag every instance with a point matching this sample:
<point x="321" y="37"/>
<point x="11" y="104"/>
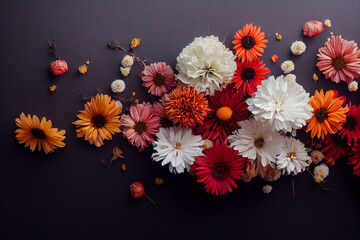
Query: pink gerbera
<point x="141" y="125"/>
<point x="339" y="60"/>
<point x="158" y="78"/>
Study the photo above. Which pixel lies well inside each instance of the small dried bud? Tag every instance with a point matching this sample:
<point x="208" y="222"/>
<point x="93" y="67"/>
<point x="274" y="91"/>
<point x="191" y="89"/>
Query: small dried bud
<point x="207" y="144"/>
<point x="83" y="69"/>
<point x="159" y="181"/>
<point x="315" y="77"/>
<point x="134" y="43"/>
<point x="278" y="36"/>
<point x="316" y="156"/>
<point x="137" y="190"/>
<point x="53" y="88"/>
<point x="327" y="23"/>
<point x="123" y="167"/>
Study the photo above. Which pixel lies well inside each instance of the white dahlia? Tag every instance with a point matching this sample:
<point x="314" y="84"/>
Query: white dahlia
<point x="178" y="147"/>
<point x="206" y="64"/>
<point x="284" y="103"/>
<point x="255" y="140"/>
<point x="298" y="47"/>
<point x="118" y="86"/>
<point x="294" y="159"/>
<point x="287" y="66"/>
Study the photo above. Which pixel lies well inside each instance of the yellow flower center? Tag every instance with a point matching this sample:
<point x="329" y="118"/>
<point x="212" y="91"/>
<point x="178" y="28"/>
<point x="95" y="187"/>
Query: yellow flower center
<point x="224" y="113"/>
<point x="178" y="146"/>
<point x="287" y="66"/>
<point x="291" y="155"/>
<point x="298" y="48"/>
<point x="117" y="85"/>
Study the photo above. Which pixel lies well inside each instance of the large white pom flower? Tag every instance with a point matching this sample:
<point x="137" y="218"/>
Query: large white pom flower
<point x="284" y="103"/>
<point x="294" y="159"/>
<point x="206" y="64"/>
<point x="178" y="147"/>
<point x="255" y="140"/>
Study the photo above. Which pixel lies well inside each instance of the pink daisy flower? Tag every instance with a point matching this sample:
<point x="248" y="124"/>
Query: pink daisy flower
<point x="141" y="125"/>
<point x="158" y="78"/>
<point x="339" y="60"/>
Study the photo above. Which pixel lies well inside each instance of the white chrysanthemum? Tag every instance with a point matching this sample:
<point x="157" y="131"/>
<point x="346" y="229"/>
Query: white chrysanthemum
<point x="321" y="171"/>
<point x="298" y="47"/>
<point x="287" y="66"/>
<point x="127" y="61"/>
<point x="290" y="77"/>
<point x="294" y="159"/>
<point x="125" y="71"/>
<point x="118" y="86"/>
<point x="283" y="103"/>
<point x="206" y="64"/>
<point x="353" y="86"/>
<point x="255" y="140"/>
<point x="178" y="147"/>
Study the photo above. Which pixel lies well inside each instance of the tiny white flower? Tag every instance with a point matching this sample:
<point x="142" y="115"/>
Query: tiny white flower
<point x="290" y="77"/>
<point x="298" y="47"/>
<point x="321" y="171"/>
<point x="118" y="86"/>
<point x="267" y="189"/>
<point x="125" y="71"/>
<point x="327" y="23"/>
<point x="127" y="61"/>
<point x="287" y="66"/>
<point x="353" y="86"/>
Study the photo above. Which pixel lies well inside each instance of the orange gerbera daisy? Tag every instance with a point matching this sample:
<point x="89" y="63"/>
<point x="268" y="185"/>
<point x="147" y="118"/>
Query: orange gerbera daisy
<point x="34" y="132"/>
<point x="249" y="43"/>
<point x="328" y="114"/>
<point x="99" y="121"/>
<point x="186" y="106"/>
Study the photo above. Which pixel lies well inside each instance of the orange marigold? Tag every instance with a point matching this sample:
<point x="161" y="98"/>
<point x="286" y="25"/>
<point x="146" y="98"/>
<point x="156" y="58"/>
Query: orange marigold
<point x="186" y="106"/>
<point x="328" y="114"/>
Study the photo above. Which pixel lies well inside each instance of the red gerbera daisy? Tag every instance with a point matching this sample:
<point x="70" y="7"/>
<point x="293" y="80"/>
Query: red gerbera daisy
<point x="227" y="107"/>
<point x="354" y="159"/>
<point x="335" y="147"/>
<point x="248" y="75"/>
<point x="219" y="168"/>
<point x="351" y="128"/>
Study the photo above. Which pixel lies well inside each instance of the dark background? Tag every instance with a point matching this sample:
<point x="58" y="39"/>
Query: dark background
<point x="70" y="195"/>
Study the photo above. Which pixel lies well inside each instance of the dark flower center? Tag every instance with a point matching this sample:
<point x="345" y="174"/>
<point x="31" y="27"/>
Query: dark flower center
<point x="247" y="42"/>
<point x="340" y="142"/>
<point x="339" y="63"/>
<point x="140" y="127"/>
<point x="248" y="74"/>
<point x="38" y="133"/>
<point x="219" y="171"/>
<point x="259" y="142"/>
<point x="159" y="79"/>
<point x="321" y="114"/>
<point x="350" y="123"/>
<point x="98" y="121"/>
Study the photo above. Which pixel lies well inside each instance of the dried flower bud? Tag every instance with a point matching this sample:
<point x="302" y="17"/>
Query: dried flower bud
<point x="159" y="181"/>
<point x="207" y="144"/>
<point x="83" y="69"/>
<point x="313" y="28"/>
<point x="58" y="67"/>
<point x="137" y="190"/>
<point x="125" y="71"/>
<point x="278" y="36"/>
<point x="315" y="77"/>
<point x="316" y="156"/>
<point x="353" y="86"/>
<point x="53" y="88"/>
<point x="123" y="167"/>
<point x="87" y="62"/>
<point x="327" y="23"/>
<point x="267" y="189"/>
<point x="134" y="43"/>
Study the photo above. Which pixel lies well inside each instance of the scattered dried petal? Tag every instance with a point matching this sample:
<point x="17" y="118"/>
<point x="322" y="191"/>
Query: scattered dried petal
<point x="117" y="153"/>
<point x="327" y="23"/>
<point x="315" y="77"/>
<point x="159" y="181"/>
<point x="134" y="43"/>
<point x="53" y="88"/>
<point x="317" y="156"/>
<point x="83" y="69"/>
<point x="274" y="58"/>
<point x="278" y="36"/>
<point x="123" y="167"/>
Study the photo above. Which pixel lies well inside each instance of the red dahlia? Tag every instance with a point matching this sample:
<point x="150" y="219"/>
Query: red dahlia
<point x="354" y="159"/>
<point x="249" y="75"/>
<point x="227" y="107"/>
<point x="335" y="147"/>
<point x="219" y="168"/>
<point x="351" y="128"/>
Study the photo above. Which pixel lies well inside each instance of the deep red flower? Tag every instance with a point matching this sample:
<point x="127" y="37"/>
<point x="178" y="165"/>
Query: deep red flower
<point x="137" y="190"/>
<point x="218" y="169"/>
<point x="351" y="128"/>
<point x="335" y="147"/>
<point x="354" y="159"/>
<point x="227" y="107"/>
<point x="248" y="75"/>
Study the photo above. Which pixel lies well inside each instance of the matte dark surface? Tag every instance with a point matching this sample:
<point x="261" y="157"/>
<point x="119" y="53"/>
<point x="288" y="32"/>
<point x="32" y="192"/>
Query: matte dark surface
<point x="70" y="195"/>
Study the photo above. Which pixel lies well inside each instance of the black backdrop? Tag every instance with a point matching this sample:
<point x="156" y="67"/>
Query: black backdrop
<point x="70" y="195"/>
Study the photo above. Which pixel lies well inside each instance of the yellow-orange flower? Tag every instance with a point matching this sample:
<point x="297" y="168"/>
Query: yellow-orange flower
<point x="99" y="121"/>
<point x="134" y="43"/>
<point x="328" y="114"/>
<point x="40" y="134"/>
<point x="249" y="43"/>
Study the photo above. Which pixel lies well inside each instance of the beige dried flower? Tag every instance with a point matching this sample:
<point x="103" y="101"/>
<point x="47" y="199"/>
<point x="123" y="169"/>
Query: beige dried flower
<point x="316" y="156"/>
<point x="267" y="189"/>
<point x="327" y="23"/>
<point x="125" y="71"/>
<point x="278" y="36"/>
<point x="207" y="144"/>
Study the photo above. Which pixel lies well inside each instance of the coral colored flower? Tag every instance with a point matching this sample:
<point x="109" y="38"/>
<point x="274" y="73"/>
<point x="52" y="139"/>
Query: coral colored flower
<point x="339" y="60"/>
<point x="99" y="121"/>
<point x="227" y="107"/>
<point x="35" y="133"/>
<point x="335" y="147"/>
<point x="186" y="107"/>
<point x="313" y="28"/>
<point x="248" y="75"/>
<point x="249" y="43"/>
<point x="141" y="125"/>
<point x="158" y="78"/>
<point x="351" y="127"/>
<point x="218" y="169"/>
<point x="328" y="114"/>
<point x="58" y="67"/>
